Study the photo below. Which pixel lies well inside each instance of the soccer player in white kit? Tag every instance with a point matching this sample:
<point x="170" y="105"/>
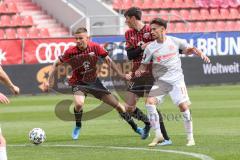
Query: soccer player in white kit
<point x="3" y="99"/>
<point x="169" y="78"/>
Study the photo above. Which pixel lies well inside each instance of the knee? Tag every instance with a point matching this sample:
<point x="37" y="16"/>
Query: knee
<point x="151" y="101"/>
<point x="78" y="106"/>
<point x="183" y="107"/>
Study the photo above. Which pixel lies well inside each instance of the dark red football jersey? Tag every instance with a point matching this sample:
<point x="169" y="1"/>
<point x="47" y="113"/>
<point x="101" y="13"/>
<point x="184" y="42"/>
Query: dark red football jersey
<point x="84" y="62"/>
<point x="136" y="38"/>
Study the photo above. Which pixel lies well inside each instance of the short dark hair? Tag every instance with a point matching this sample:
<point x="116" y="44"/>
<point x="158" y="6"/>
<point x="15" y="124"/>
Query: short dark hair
<point x="160" y="22"/>
<point x="134" y="11"/>
<point x="80" y="30"/>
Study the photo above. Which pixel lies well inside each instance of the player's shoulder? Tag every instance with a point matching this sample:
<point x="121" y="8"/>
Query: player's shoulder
<point x="93" y="44"/>
<point x="151" y="45"/>
<point x="129" y="31"/>
<point x="71" y="50"/>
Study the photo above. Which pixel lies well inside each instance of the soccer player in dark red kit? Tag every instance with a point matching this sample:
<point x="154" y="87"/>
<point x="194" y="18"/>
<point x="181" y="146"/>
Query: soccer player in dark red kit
<point x="138" y="36"/>
<point x="83" y="59"/>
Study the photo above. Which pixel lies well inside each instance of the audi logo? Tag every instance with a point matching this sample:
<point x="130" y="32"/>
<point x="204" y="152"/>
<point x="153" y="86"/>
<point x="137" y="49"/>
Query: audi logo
<point x="49" y="52"/>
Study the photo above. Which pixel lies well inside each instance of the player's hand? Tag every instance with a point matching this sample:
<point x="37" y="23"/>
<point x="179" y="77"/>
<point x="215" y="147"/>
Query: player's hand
<point x="205" y="58"/>
<point x="138" y="73"/>
<point x="128" y="76"/>
<point x="144" y="45"/>
<point x="3" y="99"/>
<point x="15" y="89"/>
<point x="46" y="86"/>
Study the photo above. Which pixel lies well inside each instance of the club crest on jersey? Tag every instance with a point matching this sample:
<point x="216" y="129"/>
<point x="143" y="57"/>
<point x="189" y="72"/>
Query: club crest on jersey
<point x="91" y="53"/>
<point x="146" y="35"/>
<point x="171" y="47"/>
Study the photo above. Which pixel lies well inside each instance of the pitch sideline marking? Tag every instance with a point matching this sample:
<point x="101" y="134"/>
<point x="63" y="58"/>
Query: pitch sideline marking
<point x="195" y="155"/>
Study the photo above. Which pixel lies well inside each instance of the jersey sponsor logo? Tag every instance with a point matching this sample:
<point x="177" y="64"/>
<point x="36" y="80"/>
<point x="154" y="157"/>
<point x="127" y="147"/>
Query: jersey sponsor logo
<point x="171" y="47"/>
<point x="166" y="56"/>
<point x="86" y="65"/>
<point x="146" y="35"/>
<point x="91" y="53"/>
<point x="49" y="52"/>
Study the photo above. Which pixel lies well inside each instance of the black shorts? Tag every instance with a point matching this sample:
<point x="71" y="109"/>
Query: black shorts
<point x="140" y="86"/>
<point x="95" y="88"/>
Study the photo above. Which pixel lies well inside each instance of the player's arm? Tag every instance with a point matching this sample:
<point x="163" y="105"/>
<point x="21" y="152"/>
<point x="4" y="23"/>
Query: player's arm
<point x="113" y="65"/>
<point x="193" y="50"/>
<point x="52" y="71"/>
<point x="133" y="53"/>
<point x="7" y="82"/>
<point x="147" y="57"/>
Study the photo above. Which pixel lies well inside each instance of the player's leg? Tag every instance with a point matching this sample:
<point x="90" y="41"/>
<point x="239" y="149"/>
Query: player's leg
<point x="79" y="98"/>
<point x="112" y="101"/>
<point x="148" y="86"/>
<point x="151" y="106"/>
<point x="180" y="97"/>
<point x="167" y="140"/>
<point x="3" y="152"/>
<point x="131" y="101"/>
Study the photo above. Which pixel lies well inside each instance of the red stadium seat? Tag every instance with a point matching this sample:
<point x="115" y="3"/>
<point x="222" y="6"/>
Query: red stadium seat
<point x="3" y="8"/>
<point x="126" y="4"/>
<point x="117" y="4"/>
<point x="168" y="4"/>
<point x="158" y="4"/>
<point x="10" y="33"/>
<point x="44" y="32"/>
<point x="185" y="14"/>
<point x="22" y="33"/>
<point x="2" y="34"/>
<point x="33" y="33"/>
<point x="238" y="25"/>
<point x="234" y="14"/>
<point x="145" y="16"/>
<point x="178" y="4"/>
<point x="191" y="27"/>
<point x="17" y="20"/>
<point x="148" y="4"/>
<point x="200" y="27"/>
<point x="171" y="27"/>
<point x="27" y="21"/>
<point x="180" y="27"/>
<point x="210" y="26"/>
<point x="204" y="14"/>
<point x="164" y="14"/>
<point x="220" y="26"/>
<point x="12" y="7"/>
<point x="194" y="13"/>
<point x="190" y="4"/>
<point x="174" y="15"/>
<point x="233" y="3"/>
<point x="138" y="3"/>
<point x="5" y="21"/>
<point x="214" y="14"/>
<point x="153" y="14"/>
<point x="230" y="26"/>
<point x="224" y="13"/>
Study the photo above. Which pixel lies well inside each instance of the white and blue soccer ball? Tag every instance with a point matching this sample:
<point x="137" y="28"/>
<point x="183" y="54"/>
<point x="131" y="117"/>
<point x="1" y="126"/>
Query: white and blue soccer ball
<point x="37" y="136"/>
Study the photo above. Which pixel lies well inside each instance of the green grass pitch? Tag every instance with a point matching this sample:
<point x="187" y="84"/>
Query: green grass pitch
<point x="216" y="119"/>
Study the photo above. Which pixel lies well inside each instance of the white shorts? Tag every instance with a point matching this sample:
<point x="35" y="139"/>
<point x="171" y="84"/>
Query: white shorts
<point x="176" y="90"/>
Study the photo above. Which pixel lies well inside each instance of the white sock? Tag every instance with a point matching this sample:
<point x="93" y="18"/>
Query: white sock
<point x="154" y="119"/>
<point x="188" y="124"/>
<point x="3" y="153"/>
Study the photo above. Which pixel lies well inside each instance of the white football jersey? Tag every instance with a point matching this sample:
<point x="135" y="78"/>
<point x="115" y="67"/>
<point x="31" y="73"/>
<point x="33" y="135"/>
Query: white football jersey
<point x="165" y="58"/>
